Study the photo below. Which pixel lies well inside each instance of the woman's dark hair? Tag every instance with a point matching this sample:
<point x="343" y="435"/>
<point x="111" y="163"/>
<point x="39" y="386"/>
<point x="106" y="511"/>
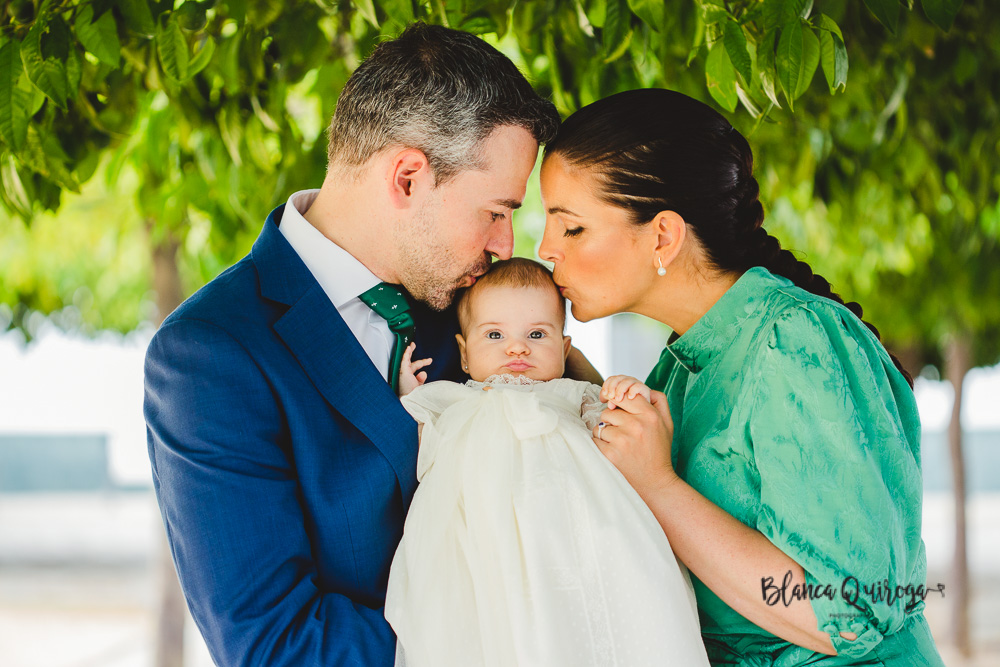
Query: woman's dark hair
<point x="654" y="150"/>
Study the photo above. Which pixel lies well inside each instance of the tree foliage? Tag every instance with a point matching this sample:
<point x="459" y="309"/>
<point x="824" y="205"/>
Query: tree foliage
<point x="202" y="115"/>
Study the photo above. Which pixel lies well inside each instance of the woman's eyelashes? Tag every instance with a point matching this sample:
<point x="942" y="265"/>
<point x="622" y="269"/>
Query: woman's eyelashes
<point x="575" y="231"/>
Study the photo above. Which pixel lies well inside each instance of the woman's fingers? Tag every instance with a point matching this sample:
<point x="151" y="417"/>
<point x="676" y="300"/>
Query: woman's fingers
<point x="659" y="402"/>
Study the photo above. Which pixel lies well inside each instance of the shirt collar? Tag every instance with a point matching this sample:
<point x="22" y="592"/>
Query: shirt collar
<point x="719" y="327"/>
<point x="339" y="273"/>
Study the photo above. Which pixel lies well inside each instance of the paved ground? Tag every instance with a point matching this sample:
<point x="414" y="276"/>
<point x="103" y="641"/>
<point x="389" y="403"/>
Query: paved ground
<point x="97" y="610"/>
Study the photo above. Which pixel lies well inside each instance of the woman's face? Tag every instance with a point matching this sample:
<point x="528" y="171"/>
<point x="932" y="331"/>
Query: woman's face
<point x="603" y="263"/>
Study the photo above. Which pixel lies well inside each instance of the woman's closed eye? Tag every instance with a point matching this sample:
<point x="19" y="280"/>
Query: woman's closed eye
<point x="575" y="231"/>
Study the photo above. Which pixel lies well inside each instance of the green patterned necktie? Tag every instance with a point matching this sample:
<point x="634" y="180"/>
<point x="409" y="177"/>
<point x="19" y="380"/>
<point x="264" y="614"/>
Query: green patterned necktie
<point x="388" y="302"/>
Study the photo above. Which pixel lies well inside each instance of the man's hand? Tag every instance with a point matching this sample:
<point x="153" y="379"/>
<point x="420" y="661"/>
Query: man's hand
<point x="409" y="378"/>
<point x="578" y="367"/>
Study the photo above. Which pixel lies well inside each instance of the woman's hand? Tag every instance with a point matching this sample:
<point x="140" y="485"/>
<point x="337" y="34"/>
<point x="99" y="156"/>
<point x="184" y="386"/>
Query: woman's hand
<point x="636" y="434"/>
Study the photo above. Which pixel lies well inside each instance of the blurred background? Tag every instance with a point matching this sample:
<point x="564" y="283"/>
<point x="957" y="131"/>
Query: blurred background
<point x="142" y="143"/>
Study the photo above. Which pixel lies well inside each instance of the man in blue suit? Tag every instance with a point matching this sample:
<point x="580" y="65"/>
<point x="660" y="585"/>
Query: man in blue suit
<point x="282" y="459"/>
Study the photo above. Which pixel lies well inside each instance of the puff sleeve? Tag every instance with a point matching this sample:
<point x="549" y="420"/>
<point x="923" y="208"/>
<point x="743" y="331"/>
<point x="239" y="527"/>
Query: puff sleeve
<point x="835" y="440"/>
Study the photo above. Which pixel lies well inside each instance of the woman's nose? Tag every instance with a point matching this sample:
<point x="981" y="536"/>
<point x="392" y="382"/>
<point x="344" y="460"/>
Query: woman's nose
<point x="547" y="249"/>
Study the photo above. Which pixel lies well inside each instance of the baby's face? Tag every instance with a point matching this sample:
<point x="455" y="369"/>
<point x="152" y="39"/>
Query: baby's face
<point x="515" y="330"/>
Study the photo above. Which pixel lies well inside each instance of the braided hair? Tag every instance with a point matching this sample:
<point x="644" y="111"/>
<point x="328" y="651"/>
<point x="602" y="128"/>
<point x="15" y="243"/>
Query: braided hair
<point x="654" y="150"/>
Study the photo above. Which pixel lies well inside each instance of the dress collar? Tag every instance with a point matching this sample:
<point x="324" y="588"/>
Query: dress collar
<point x="720" y="326"/>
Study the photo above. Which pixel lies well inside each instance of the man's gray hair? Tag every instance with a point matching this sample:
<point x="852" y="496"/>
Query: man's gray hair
<point x="439" y="90"/>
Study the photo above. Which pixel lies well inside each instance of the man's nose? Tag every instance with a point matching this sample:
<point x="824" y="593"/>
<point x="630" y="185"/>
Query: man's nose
<point x="501" y="244"/>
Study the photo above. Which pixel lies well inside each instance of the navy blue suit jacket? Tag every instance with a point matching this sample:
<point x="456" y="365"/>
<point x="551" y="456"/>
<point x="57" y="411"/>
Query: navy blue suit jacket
<point x="282" y="462"/>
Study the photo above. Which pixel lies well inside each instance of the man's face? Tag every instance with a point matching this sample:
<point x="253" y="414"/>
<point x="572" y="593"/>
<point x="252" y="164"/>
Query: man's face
<point x="467" y="220"/>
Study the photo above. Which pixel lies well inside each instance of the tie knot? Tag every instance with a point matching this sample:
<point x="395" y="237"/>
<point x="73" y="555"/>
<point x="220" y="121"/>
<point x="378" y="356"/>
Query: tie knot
<point x="389" y="302"/>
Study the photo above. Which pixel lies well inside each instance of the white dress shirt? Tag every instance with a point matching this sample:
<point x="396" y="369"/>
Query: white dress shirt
<point x="342" y="278"/>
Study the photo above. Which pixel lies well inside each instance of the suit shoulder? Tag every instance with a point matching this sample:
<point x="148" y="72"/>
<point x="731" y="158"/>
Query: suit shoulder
<point x="229" y="299"/>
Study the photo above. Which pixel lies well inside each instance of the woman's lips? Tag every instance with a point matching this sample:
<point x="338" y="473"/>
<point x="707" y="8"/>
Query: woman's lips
<point x="518" y="365"/>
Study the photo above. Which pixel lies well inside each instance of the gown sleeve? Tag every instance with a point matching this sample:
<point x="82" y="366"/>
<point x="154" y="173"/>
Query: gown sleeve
<point x="426" y="404"/>
<point x="835" y="435"/>
<point x="591" y="406"/>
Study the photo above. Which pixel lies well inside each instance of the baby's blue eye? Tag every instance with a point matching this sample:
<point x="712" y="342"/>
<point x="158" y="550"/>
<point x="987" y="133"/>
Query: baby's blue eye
<point x="536" y="335"/>
<point x="494" y="335"/>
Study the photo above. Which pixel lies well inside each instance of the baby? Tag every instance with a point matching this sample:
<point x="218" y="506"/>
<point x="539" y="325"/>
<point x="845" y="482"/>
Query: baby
<point x="523" y="544"/>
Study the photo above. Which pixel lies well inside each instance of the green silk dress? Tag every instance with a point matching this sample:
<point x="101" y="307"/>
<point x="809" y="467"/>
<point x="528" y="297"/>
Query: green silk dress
<point x="789" y="415"/>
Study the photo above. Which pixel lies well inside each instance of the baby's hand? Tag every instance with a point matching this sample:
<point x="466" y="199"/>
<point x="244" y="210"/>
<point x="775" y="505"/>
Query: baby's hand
<point x="617" y="387"/>
<point x="409" y="378"/>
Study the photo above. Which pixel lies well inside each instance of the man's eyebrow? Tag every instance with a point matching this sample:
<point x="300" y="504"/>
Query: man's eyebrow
<point x="560" y="209"/>
<point x="509" y="203"/>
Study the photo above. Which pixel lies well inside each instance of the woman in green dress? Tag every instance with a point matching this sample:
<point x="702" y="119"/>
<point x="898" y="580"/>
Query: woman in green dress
<point x="782" y="456"/>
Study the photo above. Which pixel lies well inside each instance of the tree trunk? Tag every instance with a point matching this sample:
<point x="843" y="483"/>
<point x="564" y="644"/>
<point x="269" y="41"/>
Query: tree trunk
<point x="173" y="611"/>
<point x="958" y="358"/>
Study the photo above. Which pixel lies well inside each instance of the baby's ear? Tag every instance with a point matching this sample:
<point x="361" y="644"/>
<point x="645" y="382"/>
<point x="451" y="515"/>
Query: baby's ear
<point x="461" y="351"/>
<point x="567" y="345"/>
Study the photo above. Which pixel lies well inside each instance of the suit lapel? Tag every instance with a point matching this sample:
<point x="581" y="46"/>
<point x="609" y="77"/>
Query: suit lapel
<point x="332" y="357"/>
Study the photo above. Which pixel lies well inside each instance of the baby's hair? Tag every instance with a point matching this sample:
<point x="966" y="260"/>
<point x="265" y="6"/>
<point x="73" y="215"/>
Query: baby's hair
<point x="513" y="272"/>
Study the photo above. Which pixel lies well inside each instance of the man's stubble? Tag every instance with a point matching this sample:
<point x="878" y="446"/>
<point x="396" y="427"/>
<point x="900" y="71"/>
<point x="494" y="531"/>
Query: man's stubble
<point x="427" y="266"/>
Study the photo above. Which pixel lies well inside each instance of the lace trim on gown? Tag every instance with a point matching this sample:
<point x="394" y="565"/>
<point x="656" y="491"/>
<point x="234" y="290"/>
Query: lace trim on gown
<point x="506" y="379"/>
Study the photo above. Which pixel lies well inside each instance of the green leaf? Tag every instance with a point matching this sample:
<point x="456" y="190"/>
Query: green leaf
<point x="833" y="53"/>
<point x="173" y="50"/>
<point x="596" y="12"/>
<point x="766" y="70"/>
<point x="101" y="6"/>
<point x="736" y="48"/>
<point x="479" y="24"/>
<point x="100" y="37"/>
<point x="367" y="9"/>
<point x="400" y="11"/>
<point x="14" y="102"/>
<point x="13" y="192"/>
<point x="193" y="16"/>
<point x="262" y="13"/>
<point x="137" y="16"/>
<point x="650" y="11"/>
<point x="46" y="158"/>
<point x="203" y="56"/>
<point x="712" y="11"/>
<point x="616" y="26"/>
<point x="941" y="12"/>
<point x="797" y="59"/>
<point x="49" y="74"/>
<point x="777" y="13"/>
<point x="886" y="11"/>
<point x="720" y="76"/>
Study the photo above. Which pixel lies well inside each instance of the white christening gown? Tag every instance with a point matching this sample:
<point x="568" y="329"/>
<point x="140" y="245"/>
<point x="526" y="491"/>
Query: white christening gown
<point x="525" y="546"/>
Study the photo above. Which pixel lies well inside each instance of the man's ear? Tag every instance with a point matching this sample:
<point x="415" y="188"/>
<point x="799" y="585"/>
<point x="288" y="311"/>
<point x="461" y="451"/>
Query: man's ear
<point x="567" y="345"/>
<point x="410" y="177"/>
<point x="671" y="231"/>
<point x="461" y="352"/>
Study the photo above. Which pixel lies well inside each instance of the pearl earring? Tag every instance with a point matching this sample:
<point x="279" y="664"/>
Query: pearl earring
<point x="660" y="271"/>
